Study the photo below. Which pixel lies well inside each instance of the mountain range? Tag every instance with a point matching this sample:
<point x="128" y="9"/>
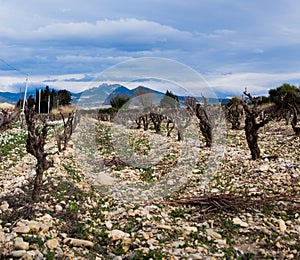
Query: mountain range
<point x="98" y="96"/>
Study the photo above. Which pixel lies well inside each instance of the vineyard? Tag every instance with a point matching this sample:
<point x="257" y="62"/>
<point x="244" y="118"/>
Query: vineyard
<point x="52" y="208"/>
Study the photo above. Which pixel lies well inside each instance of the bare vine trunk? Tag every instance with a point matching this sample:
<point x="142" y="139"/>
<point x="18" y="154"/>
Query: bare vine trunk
<point x="36" y="141"/>
<point x="251" y="132"/>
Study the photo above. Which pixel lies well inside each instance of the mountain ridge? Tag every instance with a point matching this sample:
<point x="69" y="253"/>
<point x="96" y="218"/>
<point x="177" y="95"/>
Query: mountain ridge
<point x="97" y="96"/>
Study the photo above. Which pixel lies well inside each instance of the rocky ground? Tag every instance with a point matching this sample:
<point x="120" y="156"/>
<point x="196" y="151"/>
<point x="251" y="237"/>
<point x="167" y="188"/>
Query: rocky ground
<point x="249" y="210"/>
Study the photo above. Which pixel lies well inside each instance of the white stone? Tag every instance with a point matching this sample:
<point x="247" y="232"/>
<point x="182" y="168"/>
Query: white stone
<point x="78" y="242"/>
<point x="20" y="244"/>
<point x="190" y="229"/>
<point x="36" y="255"/>
<point x="34" y="225"/>
<point x="117" y="234"/>
<point x="108" y="224"/>
<point x="58" y="208"/>
<point x="221" y="242"/>
<point x="4" y="207"/>
<point x="18" y="253"/>
<point x="52" y="243"/>
<point x="151" y="208"/>
<point x="164" y="227"/>
<point x="22" y="229"/>
<point x="45" y="218"/>
<point x="264" y="168"/>
<point x="2" y="236"/>
<point x="282" y="225"/>
<point x="213" y="234"/>
<point x="238" y="221"/>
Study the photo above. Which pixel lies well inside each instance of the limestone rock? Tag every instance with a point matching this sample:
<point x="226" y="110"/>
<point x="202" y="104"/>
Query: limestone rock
<point x="238" y="221"/>
<point x="4" y="206"/>
<point x="20" y="244"/>
<point x="282" y="225"/>
<point x="18" y="253"/>
<point x="58" y="208"/>
<point x="78" y="242"/>
<point x="108" y="224"/>
<point x="264" y="168"/>
<point x="213" y="234"/>
<point x="190" y="229"/>
<point x="34" y="225"/>
<point x="22" y="229"/>
<point x="117" y="235"/>
<point x="52" y="243"/>
<point x="2" y="237"/>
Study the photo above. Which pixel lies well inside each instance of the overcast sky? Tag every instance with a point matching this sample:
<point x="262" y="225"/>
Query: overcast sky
<point x="233" y="44"/>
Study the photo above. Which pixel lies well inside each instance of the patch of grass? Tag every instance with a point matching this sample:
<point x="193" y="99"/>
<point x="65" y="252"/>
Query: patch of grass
<point x="179" y="213"/>
<point x="228" y="230"/>
<point x="50" y="255"/>
<point x="72" y="172"/>
<point x="12" y="146"/>
<point x="34" y="239"/>
<point x="118" y="250"/>
<point x="73" y="206"/>
<point x="104" y="138"/>
<point x="140" y="255"/>
<point x="139" y="144"/>
<point x="147" y="174"/>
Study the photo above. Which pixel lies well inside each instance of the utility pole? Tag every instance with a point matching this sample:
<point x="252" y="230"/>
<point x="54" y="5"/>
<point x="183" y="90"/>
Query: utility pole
<point x="39" y="101"/>
<point x="25" y="93"/>
<point x="20" y="98"/>
<point x="48" y="104"/>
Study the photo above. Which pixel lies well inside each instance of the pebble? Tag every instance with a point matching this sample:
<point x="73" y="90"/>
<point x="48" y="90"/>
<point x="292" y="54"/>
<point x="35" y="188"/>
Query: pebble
<point x="282" y="225"/>
<point x="58" y="208"/>
<point x="2" y="236"/>
<point x="34" y="225"/>
<point x="117" y="234"/>
<point x="20" y="244"/>
<point x="190" y="229"/>
<point x="22" y="229"/>
<point x="52" y="243"/>
<point x="264" y="168"/>
<point x="213" y="234"/>
<point x="238" y="221"/>
<point x="78" y="242"/>
<point x="4" y="206"/>
<point x="108" y="224"/>
<point x="18" y="253"/>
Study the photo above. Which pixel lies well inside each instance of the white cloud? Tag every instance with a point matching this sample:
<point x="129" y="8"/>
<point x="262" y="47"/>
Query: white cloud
<point x="257" y="83"/>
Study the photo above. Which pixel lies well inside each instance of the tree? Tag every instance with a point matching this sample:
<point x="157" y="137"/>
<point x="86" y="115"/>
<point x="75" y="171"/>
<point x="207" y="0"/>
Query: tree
<point x="57" y="98"/>
<point x="64" y="97"/>
<point x="118" y="101"/>
<point x="30" y="102"/>
<point x="284" y="95"/>
<point x="169" y="100"/>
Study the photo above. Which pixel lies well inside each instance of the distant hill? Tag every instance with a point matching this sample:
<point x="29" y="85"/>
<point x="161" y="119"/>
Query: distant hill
<point x="125" y="92"/>
<point x="13" y="98"/>
<point x="99" y="96"/>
